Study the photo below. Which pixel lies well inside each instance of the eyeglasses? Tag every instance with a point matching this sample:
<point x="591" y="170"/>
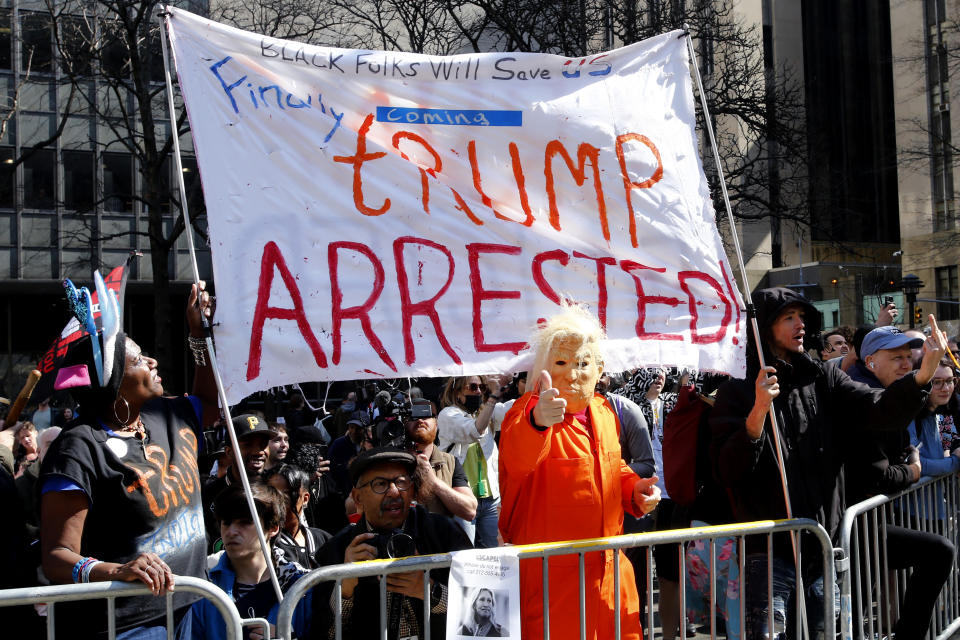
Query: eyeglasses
<point x="940" y="383"/>
<point x="380" y="485"/>
<point x="472" y="386"/>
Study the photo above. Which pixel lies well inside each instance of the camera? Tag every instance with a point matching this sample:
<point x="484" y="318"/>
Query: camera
<point x="395" y="544"/>
<point x="391" y="429"/>
<point x="887" y="300"/>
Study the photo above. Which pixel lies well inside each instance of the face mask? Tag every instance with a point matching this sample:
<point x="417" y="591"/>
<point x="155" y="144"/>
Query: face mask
<point x="472" y="403"/>
<point x="347" y="406"/>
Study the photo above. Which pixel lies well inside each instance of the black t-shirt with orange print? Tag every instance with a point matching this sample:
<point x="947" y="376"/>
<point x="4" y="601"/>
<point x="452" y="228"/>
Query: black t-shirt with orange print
<point x="144" y="497"/>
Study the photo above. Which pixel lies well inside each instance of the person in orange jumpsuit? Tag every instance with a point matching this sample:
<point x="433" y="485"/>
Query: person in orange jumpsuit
<point x="562" y="478"/>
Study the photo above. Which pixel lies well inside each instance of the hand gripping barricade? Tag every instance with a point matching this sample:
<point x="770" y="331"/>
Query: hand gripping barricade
<point x="871" y="589"/>
<point x="710" y="535"/>
<point x="50" y="595"/>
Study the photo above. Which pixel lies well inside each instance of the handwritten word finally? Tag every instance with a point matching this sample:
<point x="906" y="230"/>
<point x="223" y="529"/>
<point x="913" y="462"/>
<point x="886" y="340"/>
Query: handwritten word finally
<point x="700" y="289"/>
<point x="271" y="95"/>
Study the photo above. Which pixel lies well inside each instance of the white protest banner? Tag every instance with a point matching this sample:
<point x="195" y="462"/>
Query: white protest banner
<point x="390" y="214"/>
<point x="483" y="593"/>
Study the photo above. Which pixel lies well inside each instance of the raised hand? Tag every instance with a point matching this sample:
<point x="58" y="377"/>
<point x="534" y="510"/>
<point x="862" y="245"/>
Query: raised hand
<point x="767" y="388"/>
<point x="887" y="315"/>
<point x="934" y="350"/>
<point x="199" y="302"/>
<point x="550" y="408"/>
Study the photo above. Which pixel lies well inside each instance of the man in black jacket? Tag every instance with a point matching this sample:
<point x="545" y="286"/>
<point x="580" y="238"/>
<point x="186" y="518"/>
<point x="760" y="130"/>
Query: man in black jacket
<point x="390" y="527"/>
<point x="820" y="413"/>
<point x="886" y="463"/>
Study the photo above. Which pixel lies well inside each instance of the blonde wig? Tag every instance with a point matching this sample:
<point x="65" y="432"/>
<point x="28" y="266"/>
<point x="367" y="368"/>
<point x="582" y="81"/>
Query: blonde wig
<point x="573" y="322"/>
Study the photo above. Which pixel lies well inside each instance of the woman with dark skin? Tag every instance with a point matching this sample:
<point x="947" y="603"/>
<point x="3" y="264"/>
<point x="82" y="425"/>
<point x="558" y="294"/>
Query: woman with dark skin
<point x="139" y="434"/>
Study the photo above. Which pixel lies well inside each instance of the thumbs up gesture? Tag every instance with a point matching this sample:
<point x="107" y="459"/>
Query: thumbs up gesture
<point x="550" y="408"/>
<point x="934" y="348"/>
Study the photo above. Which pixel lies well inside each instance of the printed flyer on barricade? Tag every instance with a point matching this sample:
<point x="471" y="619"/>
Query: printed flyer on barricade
<point x="484" y="594"/>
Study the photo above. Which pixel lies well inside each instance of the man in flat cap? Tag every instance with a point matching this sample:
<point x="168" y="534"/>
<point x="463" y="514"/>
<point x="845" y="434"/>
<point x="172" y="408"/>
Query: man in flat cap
<point x="390" y="526"/>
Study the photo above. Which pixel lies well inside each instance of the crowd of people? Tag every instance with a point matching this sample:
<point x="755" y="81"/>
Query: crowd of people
<point x="132" y="483"/>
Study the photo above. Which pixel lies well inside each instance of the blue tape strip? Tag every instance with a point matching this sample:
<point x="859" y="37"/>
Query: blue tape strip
<point x="454" y="117"/>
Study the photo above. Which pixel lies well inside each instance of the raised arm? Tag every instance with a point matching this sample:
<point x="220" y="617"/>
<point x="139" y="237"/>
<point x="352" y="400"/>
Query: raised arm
<point x="204" y="386"/>
<point x="459" y="501"/>
<point x="527" y="427"/>
<point x="736" y="424"/>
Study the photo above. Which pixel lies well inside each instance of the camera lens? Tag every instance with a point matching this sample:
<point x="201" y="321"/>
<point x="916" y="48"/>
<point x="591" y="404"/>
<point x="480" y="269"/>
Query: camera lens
<point x="400" y="545"/>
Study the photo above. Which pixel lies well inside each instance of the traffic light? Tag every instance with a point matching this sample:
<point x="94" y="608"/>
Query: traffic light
<point x="918" y="314"/>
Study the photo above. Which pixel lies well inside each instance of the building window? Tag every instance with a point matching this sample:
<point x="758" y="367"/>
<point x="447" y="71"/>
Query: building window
<point x="938" y="102"/>
<point x="948" y="293"/>
<point x="5" y="39"/>
<point x="38" y="180"/>
<point x="7" y="176"/>
<point x="163" y="187"/>
<point x="191" y="182"/>
<point x="37" y="46"/>
<point x="155" y="53"/>
<point x="935" y="11"/>
<point x="78" y="193"/>
<point x="942" y="166"/>
<point x="117" y="182"/>
<point x="76" y="46"/>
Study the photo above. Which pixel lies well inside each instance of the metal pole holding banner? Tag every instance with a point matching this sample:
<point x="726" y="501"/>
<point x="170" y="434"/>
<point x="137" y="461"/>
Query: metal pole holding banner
<point x="207" y="329"/>
<point x="751" y="311"/>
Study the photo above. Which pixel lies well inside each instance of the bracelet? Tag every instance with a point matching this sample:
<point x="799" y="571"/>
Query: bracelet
<point x="81" y="570"/>
<point x="198" y="346"/>
<point x="493" y="397"/>
<point x="85" y="572"/>
<point x="76" y="569"/>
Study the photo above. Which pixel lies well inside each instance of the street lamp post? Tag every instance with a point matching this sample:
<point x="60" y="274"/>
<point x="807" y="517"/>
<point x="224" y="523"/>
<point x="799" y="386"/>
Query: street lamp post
<point x="911" y="286"/>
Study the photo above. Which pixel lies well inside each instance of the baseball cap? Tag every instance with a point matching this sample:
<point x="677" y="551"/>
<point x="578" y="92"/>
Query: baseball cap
<point x="249" y="425"/>
<point x="378" y="456"/>
<point x="888" y="337"/>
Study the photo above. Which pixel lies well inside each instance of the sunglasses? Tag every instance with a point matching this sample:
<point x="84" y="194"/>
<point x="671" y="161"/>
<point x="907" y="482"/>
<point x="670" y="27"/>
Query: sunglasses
<point x="472" y="386"/>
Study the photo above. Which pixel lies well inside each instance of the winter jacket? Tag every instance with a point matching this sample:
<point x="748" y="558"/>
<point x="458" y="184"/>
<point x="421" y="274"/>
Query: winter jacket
<point x="820" y="412"/>
<point x="875" y="462"/>
<point x="925" y="434"/>
<point x="204" y="622"/>
<point x="431" y="533"/>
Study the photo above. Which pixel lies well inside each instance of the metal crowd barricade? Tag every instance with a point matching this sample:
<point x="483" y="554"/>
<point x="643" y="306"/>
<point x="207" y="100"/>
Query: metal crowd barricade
<point x="51" y="595"/>
<point x="870" y="591"/>
<point x="338" y="573"/>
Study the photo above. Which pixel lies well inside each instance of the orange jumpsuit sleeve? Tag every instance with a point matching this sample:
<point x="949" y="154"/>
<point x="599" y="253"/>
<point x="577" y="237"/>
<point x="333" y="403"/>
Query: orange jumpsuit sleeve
<point x="523" y="447"/>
